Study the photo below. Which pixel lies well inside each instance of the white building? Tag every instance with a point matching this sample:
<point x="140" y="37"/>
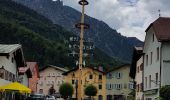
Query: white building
<point x="11" y="58"/>
<point x="50" y="76"/>
<point x="156" y="57"/>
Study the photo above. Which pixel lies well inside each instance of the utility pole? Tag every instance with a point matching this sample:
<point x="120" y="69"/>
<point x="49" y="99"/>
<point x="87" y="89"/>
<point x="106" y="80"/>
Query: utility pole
<point x="82" y="26"/>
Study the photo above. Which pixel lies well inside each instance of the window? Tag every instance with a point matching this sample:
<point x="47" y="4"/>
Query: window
<point x="12" y="59"/>
<point x="100" y="77"/>
<point x="100" y="97"/>
<point x="2" y="74"/>
<point x="72" y="81"/>
<point x="157" y="50"/>
<point x="109" y="76"/>
<point x="119" y="86"/>
<point x="156" y="79"/>
<point x="138" y="69"/>
<point x="141" y="87"/>
<point x="73" y="75"/>
<point x="145" y="82"/>
<point x="118" y="75"/>
<point x="137" y="87"/>
<point x="149" y="81"/>
<point x="146" y="60"/>
<point x="141" y="66"/>
<point x="109" y="86"/>
<point x="131" y="85"/>
<point x="41" y="91"/>
<point x="90" y="76"/>
<point x="151" y="57"/>
<point x="100" y="86"/>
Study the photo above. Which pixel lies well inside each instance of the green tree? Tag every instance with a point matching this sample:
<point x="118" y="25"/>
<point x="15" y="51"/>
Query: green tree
<point x="66" y="90"/>
<point x="90" y="91"/>
<point x="165" y="92"/>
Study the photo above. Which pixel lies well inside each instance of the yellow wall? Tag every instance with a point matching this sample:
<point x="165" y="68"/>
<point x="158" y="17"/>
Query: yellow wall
<point x="86" y="81"/>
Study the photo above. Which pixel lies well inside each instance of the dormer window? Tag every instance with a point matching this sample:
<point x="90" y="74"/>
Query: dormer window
<point x="12" y="59"/>
<point x="153" y="38"/>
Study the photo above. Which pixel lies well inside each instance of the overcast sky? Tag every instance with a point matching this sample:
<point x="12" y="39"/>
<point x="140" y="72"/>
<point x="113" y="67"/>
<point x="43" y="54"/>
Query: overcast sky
<point x="129" y="17"/>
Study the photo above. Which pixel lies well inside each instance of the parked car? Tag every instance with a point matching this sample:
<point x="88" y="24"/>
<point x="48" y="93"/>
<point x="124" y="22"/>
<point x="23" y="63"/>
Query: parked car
<point x="57" y="95"/>
<point x="36" y="97"/>
<point x="49" y="97"/>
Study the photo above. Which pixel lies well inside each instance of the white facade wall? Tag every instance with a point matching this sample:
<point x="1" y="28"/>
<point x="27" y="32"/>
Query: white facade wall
<point x="165" y="68"/>
<point x="25" y="80"/>
<point x="139" y="78"/>
<point x="151" y="68"/>
<point x="9" y="66"/>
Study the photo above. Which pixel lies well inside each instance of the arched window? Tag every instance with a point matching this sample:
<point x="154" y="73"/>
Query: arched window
<point x="100" y="97"/>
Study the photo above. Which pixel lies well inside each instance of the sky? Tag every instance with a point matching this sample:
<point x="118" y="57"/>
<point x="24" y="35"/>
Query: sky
<point x="128" y="17"/>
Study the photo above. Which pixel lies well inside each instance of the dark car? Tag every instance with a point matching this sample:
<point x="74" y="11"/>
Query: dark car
<point x="36" y="97"/>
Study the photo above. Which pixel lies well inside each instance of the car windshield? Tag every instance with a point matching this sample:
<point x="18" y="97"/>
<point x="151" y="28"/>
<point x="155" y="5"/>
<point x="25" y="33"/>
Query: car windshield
<point x="37" y="96"/>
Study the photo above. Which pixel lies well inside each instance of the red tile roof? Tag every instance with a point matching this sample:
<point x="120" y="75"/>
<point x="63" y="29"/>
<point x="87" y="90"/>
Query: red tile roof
<point x="161" y="26"/>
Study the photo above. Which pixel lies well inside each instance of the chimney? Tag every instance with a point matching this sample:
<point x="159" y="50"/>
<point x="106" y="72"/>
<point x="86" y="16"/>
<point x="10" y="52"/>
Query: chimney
<point x="100" y="68"/>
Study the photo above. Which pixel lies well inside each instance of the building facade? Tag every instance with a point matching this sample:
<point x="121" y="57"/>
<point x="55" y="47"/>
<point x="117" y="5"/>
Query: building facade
<point x="11" y="58"/>
<point x="50" y="76"/>
<point x="136" y="71"/>
<point x="139" y="79"/>
<point x="35" y="76"/>
<point x="156" y="57"/>
<point x="89" y="76"/>
<point x="119" y="85"/>
<point x="24" y="73"/>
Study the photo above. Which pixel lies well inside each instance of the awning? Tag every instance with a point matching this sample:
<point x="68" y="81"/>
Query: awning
<point x="15" y="87"/>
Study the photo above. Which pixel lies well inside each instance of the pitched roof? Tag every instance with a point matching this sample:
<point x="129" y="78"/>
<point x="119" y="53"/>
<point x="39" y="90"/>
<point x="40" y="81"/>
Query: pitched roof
<point x="137" y="53"/>
<point x="161" y="26"/>
<point x="55" y="67"/>
<point x="74" y="69"/>
<point x="118" y="67"/>
<point x="26" y="70"/>
<point x="5" y="48"/>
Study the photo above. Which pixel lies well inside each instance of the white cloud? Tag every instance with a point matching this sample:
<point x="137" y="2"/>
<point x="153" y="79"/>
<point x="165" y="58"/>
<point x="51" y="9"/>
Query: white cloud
<point x="129" y="17"/>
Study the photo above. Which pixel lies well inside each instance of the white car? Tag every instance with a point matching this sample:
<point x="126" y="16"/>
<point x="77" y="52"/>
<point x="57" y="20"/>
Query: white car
<point x="49" y="97"/>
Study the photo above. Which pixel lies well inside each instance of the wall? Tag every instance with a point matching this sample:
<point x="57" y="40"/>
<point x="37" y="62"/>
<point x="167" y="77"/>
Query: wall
<point x="86" y="81"/>
<point x="165" y="80"/>
<point x="48" y="77"/>
<point x="139" y="79"/>
<point x="125" y="82"/>
<point x="151" y="69"/>
<point x="9" y="66"/>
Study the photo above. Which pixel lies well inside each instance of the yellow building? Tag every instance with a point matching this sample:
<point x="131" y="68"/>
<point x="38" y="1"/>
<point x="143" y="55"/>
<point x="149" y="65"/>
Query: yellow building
<point x="89" y="76"/>
<point x="119" y="84"/>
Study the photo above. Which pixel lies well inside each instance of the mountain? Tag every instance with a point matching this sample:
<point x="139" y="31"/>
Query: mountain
<point x="42" y="41"/>
<point x="107" y="39"/>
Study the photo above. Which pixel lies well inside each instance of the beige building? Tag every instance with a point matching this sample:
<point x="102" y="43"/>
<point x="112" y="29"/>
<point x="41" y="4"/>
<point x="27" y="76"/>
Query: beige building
<point x="139" y="79"/>
<point x="89" y="76"/>
<point x="119" y="84"/>
<point x="50" y="76"/>
<point x="136" y="71"/>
